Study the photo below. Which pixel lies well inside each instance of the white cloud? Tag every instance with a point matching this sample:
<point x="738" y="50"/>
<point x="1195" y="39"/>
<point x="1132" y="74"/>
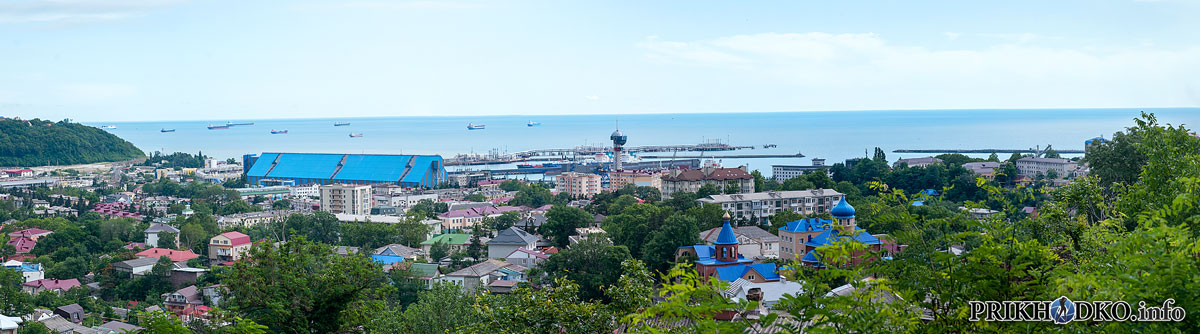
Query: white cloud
<point x="1012" y="73"/>
<point x="76" y="11"/>
<point x="85" y="93"/>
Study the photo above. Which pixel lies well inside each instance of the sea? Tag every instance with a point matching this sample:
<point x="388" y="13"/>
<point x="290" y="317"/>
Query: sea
<point x="831" y="135"/>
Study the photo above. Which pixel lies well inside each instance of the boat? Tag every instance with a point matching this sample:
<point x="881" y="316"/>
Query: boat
<point x="355" y="135"/>
<point x="217" y="127"/>
<point x="166" y="130"/>
<point x="533" y="124"/>
<point x="770" y="146"/>
<point x="472" y="126"/>
<point x="239" y="124"/>
<point x="110" y="127"/>
<point x="524" y="166"/>
<point x="551" y="165"/>
<point x="341" y="123"/>
<point x="278" y="132"/>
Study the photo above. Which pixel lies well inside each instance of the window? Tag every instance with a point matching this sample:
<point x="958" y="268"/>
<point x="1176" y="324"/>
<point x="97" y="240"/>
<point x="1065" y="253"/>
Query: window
<point x="750" y="277"/>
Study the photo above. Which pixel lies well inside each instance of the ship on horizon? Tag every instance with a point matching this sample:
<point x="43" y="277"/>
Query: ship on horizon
<point x="533" y="124"/>
<point x="239" y="124"/>
<point x="164" y="130"/>
<point x="109" y="127"/>
<point x="473" y="126"/>
<point x="355" y="135"/>
<point x="278" y="132"/>
<point x="218" y="127"/>
<point x="341" y="123"/>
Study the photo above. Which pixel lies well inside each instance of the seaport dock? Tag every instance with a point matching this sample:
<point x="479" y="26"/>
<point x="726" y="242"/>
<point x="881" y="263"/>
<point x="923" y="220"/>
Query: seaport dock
<point x="726" y="156"/>
<point x="984" y="151"/>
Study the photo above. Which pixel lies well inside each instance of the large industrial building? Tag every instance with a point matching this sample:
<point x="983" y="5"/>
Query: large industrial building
<point x="328" y="168"/>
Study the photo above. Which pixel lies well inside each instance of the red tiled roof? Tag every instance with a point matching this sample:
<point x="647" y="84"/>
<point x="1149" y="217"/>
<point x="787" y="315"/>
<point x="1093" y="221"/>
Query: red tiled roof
<point x="175" y="255"/>
<point x="30" y="232"/>
<point x="718" y="174"/>
<point x="236" y="238"/>
<point x="22" y="244"/>
<point x="53" y="284"/>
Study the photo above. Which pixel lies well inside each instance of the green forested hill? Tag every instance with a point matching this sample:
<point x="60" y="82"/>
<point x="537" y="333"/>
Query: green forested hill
<point x="37" y="142"/>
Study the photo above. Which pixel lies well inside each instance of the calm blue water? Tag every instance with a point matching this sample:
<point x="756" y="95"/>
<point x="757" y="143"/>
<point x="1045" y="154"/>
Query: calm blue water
<point x="833" y="135"/>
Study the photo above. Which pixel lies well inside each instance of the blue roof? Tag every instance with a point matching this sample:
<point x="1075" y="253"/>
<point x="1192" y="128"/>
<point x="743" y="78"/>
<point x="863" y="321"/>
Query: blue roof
<point x="930" y="192"/>
<point x="813" y="257"/>
<point x="703" y="251"/>
<point x="262" y="165"/>
<point x="828" y="237"/>
<point x="387" y="259"/>
<point x="1095" y="140"/>
<point x="726" y="237"/>
<point x="373" y="167"/>
<point x="26" y="267"/>
<point x="305" y="165"/>
<point x="918" y="203"/>
<point x="807" y="225"/>
<point x="843" y="209"/>
<point x="421" y="166"/>
<point x="732" y="273"/>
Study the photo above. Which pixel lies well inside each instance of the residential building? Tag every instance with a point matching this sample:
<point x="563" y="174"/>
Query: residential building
<point x="484" y="273"/>
<point x="136" y="267"/>
<point x="228" y="247"/>
<point x="19" y="172"/>
<point x="57" y="324"/>
<point x="986" y="169"/>
<point x="640" y="178"/>
<point x="691" y="180"/>
<point x="311" y="191"/>
<point x="578" y="185"/>
<point x="457" y="220"/>
<point x="404" y="201"/>
<point x="249" y="219"/>
<point x="49" y="284"/>
<point x="23" y="244"/>
<point x="527" y="258"/>
<point x="31" y="233"/>
<point x="1031" y="167"/>
<point x="423" y="171"/>
<point x="786" y="172"/>
<point x="344" y="198"/>
<point x="117" y="327"/>
<point x="9" y="325"/>
<point x="156" y="228"/>
<point x="176" y="302"/>
<point x="916" y="162"/>
<point x="175" y="255"/>
<point x="457" y="241"/>
<point x="753" y="241"/>
<point x="400" y="250"/>
<point x="426" y="272"/>
<point x="509" y="240"/>
<point x="73" y="313"/>
<point x="30" y="271"/>
<point x="766" y="288"/>
<point x="759" y="206"/>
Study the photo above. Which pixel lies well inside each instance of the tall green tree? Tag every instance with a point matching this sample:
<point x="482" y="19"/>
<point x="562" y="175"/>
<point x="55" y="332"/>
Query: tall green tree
<point x="561" y="222"/>
<point x="593" y="263"/>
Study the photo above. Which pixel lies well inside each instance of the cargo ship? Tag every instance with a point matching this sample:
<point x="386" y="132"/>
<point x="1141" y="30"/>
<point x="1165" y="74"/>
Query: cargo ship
<point x="341" y="123"/>
<point x="278" y="132"/>
<point x="533" y="124"/>
<point x="472" y="126"/>
<point x="166" y="130"/>
<point x="239" y="124"/>
<point x="355" y="135"/>
<point x="109" y="127"/>
<point x="217" y="127"/>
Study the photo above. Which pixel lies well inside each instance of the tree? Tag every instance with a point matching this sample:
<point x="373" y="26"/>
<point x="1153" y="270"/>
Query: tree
<point x="732" y="187"/>
<point x="760" y="182"/>
<point x="12" y="299"/>
<point x="159" y="322"/>
<point x="707" y="190"/>
<point x="1052" y="174"/>
<point x="593" y="263"/>
<point x="476" y="198"/>
<point x="880" y="157"/>
<point x="439" y="250"/>
<point x="677" y="230"/>
<point x="505" y="220"/>
<point x="1014" y="157"/>
<point x="302" y="286"/>
<point x="561" y="222"/>
<point x="443" y="309"/>
<point x="283" y="204"/>
<point x="167" y="240"/>
<point x="993" y="157"/>
<point x="193" y="236"/>
<point x="1051" y="153"/>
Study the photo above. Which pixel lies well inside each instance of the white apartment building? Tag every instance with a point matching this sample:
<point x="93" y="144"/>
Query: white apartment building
<point x="305" y="191"/>
<point x="764" y="204"/>
<point x="404" y="201"/>
<point x="578" y="185"/>
<point x="1031" y="167"/>
<point x="346" y="198"/>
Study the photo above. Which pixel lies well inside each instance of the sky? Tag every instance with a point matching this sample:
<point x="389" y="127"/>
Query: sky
<point x="114" y="60"/>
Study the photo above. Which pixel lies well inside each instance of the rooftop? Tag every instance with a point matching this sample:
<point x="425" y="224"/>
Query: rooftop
<point x="770" y="195"/>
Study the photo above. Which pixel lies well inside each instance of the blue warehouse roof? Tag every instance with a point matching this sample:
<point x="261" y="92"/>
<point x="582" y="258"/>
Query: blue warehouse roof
<point x="323" y="168"/>
<point x="374" y="167"/>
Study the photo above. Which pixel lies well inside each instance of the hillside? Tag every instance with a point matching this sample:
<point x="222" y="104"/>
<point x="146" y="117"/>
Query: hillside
<point x="37" y="143"/>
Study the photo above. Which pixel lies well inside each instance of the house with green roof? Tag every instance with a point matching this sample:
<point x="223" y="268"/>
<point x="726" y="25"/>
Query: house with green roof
<point x="457" y="242"/>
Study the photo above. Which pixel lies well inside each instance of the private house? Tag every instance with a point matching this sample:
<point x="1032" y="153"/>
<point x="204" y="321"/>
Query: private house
<point x="30" y="271"/>
<point x="49" y="284"/>
<point x="793" y="236"/>
<point x="388" y="261"/>
<point x="426" y="272"/>
<point x="175" y="255"/>
<point x="114" y="327"/>
<point x="509" y="240"/>
<point x="73" y="313"/>
<point x="692" y="179"/>
<point x="986" y="169"/>
<point x="31" y="233"/>
<point x="457" y="220"/>
<point x="176" y="302"/>
<point x="457" y="242"/>
<point x="767" y="291"/>
<point x="58" y="324"/>
<point x="182" y="275"/>
<point x="23" y="244"/>
<point x="9" y="325"/>
<point x="753" y="241"/>
<point x="527" y="258"/>
<point x="484" y="273"/>
<point x="400" y="250"/>
<point x="228" y="247"/>
<point x="136" y="267"/>
<point x="155" y="228"/>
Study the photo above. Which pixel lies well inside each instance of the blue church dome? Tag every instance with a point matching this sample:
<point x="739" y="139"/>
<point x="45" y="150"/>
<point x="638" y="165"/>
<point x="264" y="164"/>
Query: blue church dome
<point x="843" y="209"/>
<point x="726" y="237"/>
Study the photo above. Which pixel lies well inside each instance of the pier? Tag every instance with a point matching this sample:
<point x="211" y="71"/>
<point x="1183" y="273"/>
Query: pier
<point x="593" y="168"/>
<point x="984" y="151"/>
<point x="727" y="156"/>
<point x="579" y="152"/>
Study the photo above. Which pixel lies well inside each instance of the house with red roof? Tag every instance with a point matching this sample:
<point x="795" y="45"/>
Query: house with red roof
<point x="690" y="180"/>
<point x="18" y="172"/>
<point x="175" y="255"/>
<point x="49" y="284"/>
<point x="31" y="233"/>
<point x="228" y="247"/>
<point x="23" y="244"/>
<point x="464" y="218"/>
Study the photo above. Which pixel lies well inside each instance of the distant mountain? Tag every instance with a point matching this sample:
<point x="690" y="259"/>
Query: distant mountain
<point x="39" y="143"/>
